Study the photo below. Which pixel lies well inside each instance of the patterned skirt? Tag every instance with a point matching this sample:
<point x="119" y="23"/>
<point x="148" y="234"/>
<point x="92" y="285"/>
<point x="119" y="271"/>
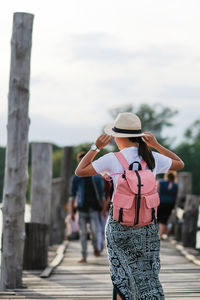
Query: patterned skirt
<point x="134" y="260"/>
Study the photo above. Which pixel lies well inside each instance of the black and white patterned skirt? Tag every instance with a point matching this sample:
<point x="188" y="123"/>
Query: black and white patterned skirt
<point x="134" y="260"/>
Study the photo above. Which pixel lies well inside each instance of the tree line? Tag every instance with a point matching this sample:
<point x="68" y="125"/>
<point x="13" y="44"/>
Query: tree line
<point x="154" y="118"/>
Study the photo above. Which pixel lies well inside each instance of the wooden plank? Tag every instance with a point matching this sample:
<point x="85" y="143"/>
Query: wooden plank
<point x="56" y="261"/>
<point x="71" y="280"/>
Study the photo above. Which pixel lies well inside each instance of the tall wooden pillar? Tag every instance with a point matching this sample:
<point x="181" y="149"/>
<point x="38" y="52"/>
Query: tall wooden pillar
<point x="16" y="169"/>
<point x="66" y="173"/>
<point x="41" y="183"/>
<point x="190" y="217"/>
<point x="57" y="212"/>
<point x="184" y="187"/>
<point x="37" y="232"/>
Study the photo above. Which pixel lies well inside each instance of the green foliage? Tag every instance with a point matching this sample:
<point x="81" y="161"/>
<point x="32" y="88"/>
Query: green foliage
<point x="119" y="109"/>
<point x="189" y="151"/>
<point x="57" y="157"/>
<point x="192" y="134"/>
<point x="57" y="154"/>
<point x="154" y="118"/>
<point x="28" y="192"/>
<point x="84" y="147"/>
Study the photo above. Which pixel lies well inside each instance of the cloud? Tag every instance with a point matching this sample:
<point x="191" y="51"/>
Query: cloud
<point x="46" y="129"/>
<point x="41" y="79"/>
<point x="119" y="87"/>
<point x="105" y="48"/>
<point x="181" y="92"/>
<point x="43" y="129"/>
<point x="98" y="47"/>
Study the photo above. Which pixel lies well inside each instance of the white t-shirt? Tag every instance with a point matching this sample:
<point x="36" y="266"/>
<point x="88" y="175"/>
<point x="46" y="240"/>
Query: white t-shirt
<point x="109" y="164"/>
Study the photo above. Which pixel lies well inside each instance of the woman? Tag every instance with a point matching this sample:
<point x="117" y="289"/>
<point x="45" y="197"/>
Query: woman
<point x="133" y="251"/>
<point x="168" y="191"/>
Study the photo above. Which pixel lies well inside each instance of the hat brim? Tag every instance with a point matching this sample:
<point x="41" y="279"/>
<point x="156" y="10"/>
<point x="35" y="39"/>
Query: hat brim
<point x="108" y="129"/>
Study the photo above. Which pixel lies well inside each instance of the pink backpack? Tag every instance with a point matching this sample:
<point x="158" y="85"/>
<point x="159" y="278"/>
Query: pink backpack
<point x="136" y="198"/>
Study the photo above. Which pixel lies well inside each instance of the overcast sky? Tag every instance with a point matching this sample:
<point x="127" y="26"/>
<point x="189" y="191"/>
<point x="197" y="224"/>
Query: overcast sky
<point x="89" y="56"/>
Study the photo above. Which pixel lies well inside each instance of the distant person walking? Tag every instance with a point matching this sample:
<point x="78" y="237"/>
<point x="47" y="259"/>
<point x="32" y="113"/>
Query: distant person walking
<point x="72" y="226"/>
<point x="133" y="251"/>
<point x="108" y="191"/>
<point x="168" y="191"/>
<point x="89" y="194"/>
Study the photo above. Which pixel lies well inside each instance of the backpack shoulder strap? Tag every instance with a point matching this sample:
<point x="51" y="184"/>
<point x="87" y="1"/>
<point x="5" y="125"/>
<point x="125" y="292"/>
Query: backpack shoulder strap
<point x="124" y="162"/>
<point x="122" y="159"/>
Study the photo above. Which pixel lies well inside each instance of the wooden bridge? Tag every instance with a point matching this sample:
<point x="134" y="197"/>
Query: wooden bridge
<point x="75" y="281"/>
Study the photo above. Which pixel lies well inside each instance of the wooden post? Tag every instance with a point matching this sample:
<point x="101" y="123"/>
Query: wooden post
<point x="37" y="232"/>
<point x="16" y="168"/>
<point x="57" y="212"/>
<point x="184" y="187"/>
<point x="36" y="246"/>
<point x="41" y="183"/>
<point x="66" y="173"/>
<point x="190" y="217"/>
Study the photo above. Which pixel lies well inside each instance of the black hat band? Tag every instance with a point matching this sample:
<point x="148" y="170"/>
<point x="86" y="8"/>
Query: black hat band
<point x="119" y="130"/>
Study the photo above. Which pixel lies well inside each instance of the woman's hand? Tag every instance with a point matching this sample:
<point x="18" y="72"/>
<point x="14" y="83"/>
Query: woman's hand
<point x="103" y="140"/>
<point x="85" y="167"/>
<point x="150" y="139"/>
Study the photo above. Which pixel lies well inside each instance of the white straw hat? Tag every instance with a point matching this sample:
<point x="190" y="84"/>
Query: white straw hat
<point x="125" y="125"/>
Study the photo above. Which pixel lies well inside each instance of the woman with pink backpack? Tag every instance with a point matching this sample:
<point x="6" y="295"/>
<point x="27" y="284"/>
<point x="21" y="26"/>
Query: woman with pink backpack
<point x="132" y="237"/>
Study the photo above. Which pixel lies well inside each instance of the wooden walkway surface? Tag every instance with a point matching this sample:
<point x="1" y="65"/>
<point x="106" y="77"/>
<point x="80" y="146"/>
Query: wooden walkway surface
<point x="75" y="281"/>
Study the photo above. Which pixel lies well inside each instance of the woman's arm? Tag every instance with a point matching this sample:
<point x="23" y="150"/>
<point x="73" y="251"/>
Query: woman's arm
<point x="85" y="167"/>
<point x="150" y="140"/>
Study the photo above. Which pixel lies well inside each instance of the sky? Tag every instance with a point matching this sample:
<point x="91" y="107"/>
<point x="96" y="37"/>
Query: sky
<point x="90" y="56"/>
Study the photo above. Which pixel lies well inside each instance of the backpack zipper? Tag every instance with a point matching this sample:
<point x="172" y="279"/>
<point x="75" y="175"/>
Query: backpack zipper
<point x="137" y="200"/>
<point x="120" y="215"/>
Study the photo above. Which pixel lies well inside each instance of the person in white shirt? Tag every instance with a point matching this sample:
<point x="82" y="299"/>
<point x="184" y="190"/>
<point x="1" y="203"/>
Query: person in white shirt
<point x="133" y="252"/>
<point x="72" y="226"/>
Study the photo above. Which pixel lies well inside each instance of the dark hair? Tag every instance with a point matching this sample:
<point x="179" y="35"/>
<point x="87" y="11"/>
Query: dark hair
<point x="171" y="177"/>
<point x="80" y="155"/>
<point x="144" y="151"/>
<point x="75" y="209"/>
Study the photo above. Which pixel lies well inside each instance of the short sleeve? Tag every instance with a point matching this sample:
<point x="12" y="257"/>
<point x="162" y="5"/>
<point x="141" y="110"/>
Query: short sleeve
<point x="162" y="162"/>
<point x="103" y="165"/>
<point x="73" y="190"/>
